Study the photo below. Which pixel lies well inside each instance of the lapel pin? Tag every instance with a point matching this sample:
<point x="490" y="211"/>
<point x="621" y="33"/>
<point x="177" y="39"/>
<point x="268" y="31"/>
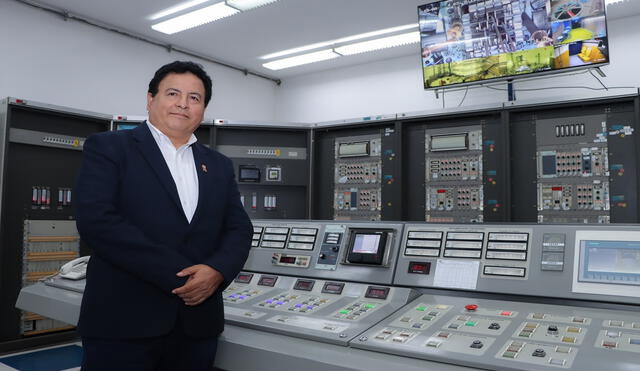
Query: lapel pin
<point x="204" y="167"/>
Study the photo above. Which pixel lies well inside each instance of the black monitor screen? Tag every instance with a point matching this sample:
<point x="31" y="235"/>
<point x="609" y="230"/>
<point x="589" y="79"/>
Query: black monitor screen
<point x="367" y="246"/>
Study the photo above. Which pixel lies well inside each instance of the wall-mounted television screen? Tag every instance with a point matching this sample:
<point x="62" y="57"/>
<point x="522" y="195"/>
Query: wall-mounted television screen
<point x="470" y="41"/>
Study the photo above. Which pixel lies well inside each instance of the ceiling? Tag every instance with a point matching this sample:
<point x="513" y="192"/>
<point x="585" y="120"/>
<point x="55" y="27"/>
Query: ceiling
<point x="241" y="39"/>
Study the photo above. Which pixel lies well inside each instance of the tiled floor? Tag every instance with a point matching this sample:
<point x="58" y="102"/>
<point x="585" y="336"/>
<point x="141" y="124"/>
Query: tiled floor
<point x="65" y="357"/>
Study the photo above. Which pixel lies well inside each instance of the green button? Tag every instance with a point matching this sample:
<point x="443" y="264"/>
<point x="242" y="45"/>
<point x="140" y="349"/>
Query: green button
<point x="470" y="323"/>
<point x="344" y="311"/>
<point x="370" y="306"/>
<point x="422" y="309"/>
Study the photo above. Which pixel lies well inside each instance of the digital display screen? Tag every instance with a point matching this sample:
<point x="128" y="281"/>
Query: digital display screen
<point x="333" y="288"/>
<point x="287" y="259"/>
<point x="549" y="165"/>
<point x="353" y="149"/>
<point x="366" y="244"/>
<point x="419" y="267"/>
<point x="448" y="142"/>
<point x="267" y="281"/>
<point x="244" y="278"/>
<point x="610" y="261"/>
<point x="471" y="41"/>
<point x="305" y="285"/>
<point x="249" y="174"/>
<point x="377" y="292"/>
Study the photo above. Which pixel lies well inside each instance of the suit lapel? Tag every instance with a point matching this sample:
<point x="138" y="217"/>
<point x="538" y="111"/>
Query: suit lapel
<point x="152" y="154"/>
<point x="204" y="179"/>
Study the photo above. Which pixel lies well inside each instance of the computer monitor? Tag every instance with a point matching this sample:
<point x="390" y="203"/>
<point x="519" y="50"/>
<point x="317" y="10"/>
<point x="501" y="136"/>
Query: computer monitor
<point x="607" y="263"/>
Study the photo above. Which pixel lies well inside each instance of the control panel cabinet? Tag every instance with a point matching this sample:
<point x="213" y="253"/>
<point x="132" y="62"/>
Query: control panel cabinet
<point x="271" y="165"/>
<point x="312" y="288"/>
<point x="598" y="262"/>
<point x="351" y="251"/>
<point x="323" y="310"/>
<point x="40" y="155"/>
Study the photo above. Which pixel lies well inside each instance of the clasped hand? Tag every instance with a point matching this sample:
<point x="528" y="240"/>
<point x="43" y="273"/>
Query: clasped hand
<point x="202" y="283"/>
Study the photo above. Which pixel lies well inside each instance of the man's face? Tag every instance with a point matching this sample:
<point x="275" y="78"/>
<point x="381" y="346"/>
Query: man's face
<point x="178" y="107"/>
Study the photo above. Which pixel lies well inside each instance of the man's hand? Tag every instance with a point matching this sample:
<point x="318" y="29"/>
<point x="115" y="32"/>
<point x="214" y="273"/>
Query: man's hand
<point x="203" y="281"/>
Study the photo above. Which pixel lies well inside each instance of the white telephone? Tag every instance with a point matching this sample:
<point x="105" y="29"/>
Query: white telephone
<point x="75" y="269"/>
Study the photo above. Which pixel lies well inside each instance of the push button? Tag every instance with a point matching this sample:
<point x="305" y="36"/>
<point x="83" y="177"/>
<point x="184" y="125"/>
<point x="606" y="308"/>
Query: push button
<point x="476" y="344"/>
<point x="471" y="307"/>
<point x="539" y="353"/>
<point x="557" y="361"/>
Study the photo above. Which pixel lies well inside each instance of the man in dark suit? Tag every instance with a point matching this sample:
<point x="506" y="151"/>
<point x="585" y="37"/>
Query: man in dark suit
<point x="163" y="217"/>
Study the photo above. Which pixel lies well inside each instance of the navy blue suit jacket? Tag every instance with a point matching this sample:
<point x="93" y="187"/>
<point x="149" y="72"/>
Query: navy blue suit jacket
<point x="129" y="214"/>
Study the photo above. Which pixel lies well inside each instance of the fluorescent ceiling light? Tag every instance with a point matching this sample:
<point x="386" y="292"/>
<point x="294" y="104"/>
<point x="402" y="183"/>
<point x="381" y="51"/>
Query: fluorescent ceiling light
<point x="195" y="18"/>
<point x="609" y="2"/>
<point x="377" y="44"/>
<point x="298" y="60"/>
<point x="339" y="41"/>
<point x="175" y="9"/>
<point x="248" y="4"/>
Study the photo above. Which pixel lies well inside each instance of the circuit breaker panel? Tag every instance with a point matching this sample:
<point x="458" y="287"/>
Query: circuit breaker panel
<point x="573" y="170"/>
<point x="453" y="175"/>
<point x="41" y="155"/>
<point x="357" y="178"/>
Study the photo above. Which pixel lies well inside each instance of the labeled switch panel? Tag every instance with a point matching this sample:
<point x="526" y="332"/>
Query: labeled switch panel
<point x="453" y="175"/>
<point x="357" y="178"/>
<point x="573" y="170"/>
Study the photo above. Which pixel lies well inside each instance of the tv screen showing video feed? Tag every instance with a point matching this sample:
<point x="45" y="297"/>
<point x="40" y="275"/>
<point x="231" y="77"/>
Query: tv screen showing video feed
<point x="471" y="41"/>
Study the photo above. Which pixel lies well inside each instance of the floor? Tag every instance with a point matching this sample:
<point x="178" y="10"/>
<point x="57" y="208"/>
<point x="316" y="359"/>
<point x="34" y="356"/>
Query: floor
<point x="65" y="357"/>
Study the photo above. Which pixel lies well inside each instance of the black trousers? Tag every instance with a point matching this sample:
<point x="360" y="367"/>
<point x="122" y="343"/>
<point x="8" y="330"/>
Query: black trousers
<point x="172" y="352"/>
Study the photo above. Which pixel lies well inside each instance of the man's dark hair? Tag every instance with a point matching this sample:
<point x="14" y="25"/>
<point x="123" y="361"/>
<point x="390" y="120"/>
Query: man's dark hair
<point x="182" y="67"/>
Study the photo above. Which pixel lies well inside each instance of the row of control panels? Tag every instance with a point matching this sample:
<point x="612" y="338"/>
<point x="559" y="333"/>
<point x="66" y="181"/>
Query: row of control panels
<point x="388" y="306"/>
<point x="324" y="292"/>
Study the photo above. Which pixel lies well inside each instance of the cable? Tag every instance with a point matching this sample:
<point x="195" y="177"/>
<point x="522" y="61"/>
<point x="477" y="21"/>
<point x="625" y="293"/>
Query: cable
<point x="596" y="77"/>
<point x="465" y="95"/>
<point x="66" y="16"/>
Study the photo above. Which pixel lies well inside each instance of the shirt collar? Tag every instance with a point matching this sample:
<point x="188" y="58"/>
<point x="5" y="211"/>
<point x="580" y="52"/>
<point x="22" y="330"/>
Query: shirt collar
<point x="160" y="136"/>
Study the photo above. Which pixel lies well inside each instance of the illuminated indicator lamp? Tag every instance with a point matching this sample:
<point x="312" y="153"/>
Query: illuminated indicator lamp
<point x="505" y="313"/>
<point x="471" y="307"/>
<point x="442" y="191"/>
<point x="556" y="188"/>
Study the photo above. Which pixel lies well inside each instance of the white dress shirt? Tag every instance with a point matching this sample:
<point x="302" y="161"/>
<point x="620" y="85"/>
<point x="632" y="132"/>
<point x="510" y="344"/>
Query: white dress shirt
<point x="182" y="167"/>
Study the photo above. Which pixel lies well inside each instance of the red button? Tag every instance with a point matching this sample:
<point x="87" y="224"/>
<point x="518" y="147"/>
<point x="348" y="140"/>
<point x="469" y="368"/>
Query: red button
<point x="505" y="313"/>
<point x="471" y="307"/>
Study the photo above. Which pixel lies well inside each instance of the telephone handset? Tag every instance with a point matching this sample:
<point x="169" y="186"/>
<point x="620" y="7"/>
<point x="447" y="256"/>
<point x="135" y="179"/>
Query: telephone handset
<point x="75" y="269"/>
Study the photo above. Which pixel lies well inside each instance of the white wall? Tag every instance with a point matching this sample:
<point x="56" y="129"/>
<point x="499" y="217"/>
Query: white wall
<point x="395" y="85"/>
<point x="48" y="60"/>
